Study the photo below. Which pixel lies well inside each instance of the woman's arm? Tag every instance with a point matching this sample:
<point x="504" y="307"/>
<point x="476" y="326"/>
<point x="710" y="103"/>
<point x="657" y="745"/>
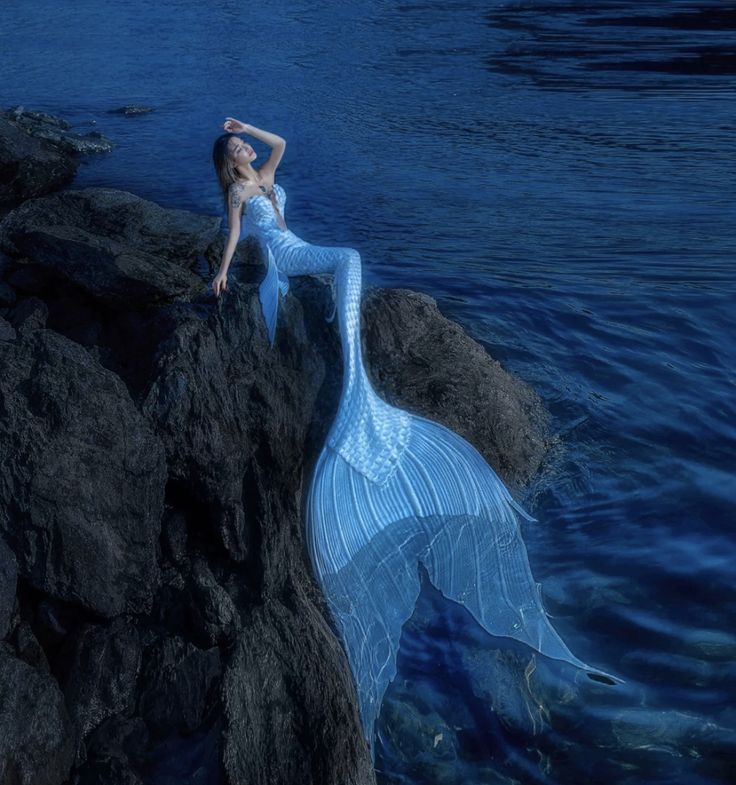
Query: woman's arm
<point x="235" y="202"/>
<point x="274" y="141"/>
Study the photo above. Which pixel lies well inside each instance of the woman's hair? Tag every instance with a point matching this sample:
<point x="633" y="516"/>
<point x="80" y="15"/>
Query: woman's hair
<point x="224" y="167"/>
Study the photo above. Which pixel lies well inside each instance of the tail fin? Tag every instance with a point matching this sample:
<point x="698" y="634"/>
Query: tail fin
<point x="275" y="281"/>
<point x="444" y="506"/>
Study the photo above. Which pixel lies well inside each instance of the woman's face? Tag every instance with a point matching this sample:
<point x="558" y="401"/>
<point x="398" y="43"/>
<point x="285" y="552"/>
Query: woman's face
<point x="240" y="152"/>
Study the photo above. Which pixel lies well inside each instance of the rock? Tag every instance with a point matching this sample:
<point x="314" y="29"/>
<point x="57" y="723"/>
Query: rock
<point x="179" y="686"/>
<point x="29" y="649"/>
<point x="193" y="605"/>
<point x="36" y="733"/>
<point x="30" y="313"/>
<point x="57" y="131"/>
<point x="131" y="109"/>
<point x="428" y="364"/>
<point x="30" y="167"/>
<point x="101" y="671"/>
<point x="290" y="703"/>
<point x="112" y="751"/>
<point x="8" y="581"/>
<point x="82" y="478"/>
<point x="7" y="332"/>
<point x="116" y="248"/>
<point x="7" y="295"/>
<point x="227" y="406"/>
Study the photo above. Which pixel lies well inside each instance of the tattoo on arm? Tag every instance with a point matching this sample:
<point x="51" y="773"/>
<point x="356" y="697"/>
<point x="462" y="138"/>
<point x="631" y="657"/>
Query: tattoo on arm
<point x="236" y="193"/>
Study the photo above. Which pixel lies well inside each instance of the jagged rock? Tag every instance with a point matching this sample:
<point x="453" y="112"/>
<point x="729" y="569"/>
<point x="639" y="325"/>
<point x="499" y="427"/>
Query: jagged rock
<point x="8" y="581"/>
<point x="82" y="476"/>
<point x="7" y="331"/>
<point x="288" y="687"/>
<point x="213" y="617"/>
<point x="428" y="364"/>
<point x="7" y="295"/>
<point x="116" y="248"/>
<point x="36" y="733"/>
<point x="100" y="673"/>
<point x="220" y="396"/>
<point x="56" y="130"/>
<point x="30" y="313"/>
<point x="112" y="751"/>
<point x="29" y="649"/>
<point x="30" y="167"/>
<point x="179" y="686"/>
<point x="174" y="535"/>
<point x="131" y="109"/>
<point x="191" y="603"/>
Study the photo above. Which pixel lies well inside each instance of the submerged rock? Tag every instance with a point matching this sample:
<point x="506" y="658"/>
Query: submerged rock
<point x="131" y="109"/>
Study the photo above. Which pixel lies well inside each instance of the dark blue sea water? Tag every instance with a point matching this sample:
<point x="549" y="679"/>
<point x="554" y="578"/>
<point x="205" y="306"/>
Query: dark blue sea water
<point x="560" y="177"/>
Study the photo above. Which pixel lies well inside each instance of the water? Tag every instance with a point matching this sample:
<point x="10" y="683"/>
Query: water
<point x="561" y="178"/>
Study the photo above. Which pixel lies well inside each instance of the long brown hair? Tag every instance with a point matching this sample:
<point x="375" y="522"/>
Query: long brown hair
<point x="224" y="167"/>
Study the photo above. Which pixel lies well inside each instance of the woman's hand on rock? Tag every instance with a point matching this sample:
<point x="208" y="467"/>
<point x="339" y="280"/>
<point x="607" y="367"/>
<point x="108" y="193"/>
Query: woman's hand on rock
<point x="219" y="284"/>
<point x="233" y="126"/>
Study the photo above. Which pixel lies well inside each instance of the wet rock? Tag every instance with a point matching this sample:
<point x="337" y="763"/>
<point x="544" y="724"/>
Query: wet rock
<point x="114" y="247"/>
<point x="57" y="131"/>
<point x="179" y="686"/>
<point x="36" y="733"/>
<point x="30" y="167"/>
<point x="227" y="406"/>
<point x="8" y="581"/>
<point x="288" y="688"/>
<point x="83" y="477"/>
<point x="131" y="109"/>
<point x="101" y="672"/>
<point x="192" y="604"/>
<point x="7" y="331"/>
<point x="429" y="365"/>
<point x="114" y="752"/>
<point x="7" y="295"/>
<point x="29" y="649"/>
<point x="29" y="313"/>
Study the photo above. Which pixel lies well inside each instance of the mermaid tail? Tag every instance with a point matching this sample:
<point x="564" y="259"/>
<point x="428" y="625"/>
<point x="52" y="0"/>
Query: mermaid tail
<point x="390" y="490"/>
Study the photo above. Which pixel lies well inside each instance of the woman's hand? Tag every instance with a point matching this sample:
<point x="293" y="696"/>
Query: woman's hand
<point x="233" y="126"/>
<point x="219" y="284"/>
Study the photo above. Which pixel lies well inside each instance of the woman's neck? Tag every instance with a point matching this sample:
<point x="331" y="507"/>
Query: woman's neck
<point x="249" y="173"/>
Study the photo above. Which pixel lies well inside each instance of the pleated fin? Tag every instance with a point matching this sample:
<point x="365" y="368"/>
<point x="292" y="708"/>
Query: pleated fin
<point x="268" y="293"/>
<point x="443" y="506"/>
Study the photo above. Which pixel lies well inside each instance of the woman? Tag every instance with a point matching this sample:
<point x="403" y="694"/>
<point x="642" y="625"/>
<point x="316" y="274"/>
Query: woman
<point x="390" y="489"/>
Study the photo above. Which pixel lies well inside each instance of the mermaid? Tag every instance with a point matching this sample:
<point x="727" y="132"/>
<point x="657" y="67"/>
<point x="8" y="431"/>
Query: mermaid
<point x="390" y="489"/>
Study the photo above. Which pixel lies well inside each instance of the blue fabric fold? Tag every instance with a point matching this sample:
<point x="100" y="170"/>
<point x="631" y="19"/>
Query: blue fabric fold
<point x="268" y="292"/>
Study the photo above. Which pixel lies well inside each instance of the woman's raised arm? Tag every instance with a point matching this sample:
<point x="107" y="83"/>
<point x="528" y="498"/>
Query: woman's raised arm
<point x="274" y="141"/>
